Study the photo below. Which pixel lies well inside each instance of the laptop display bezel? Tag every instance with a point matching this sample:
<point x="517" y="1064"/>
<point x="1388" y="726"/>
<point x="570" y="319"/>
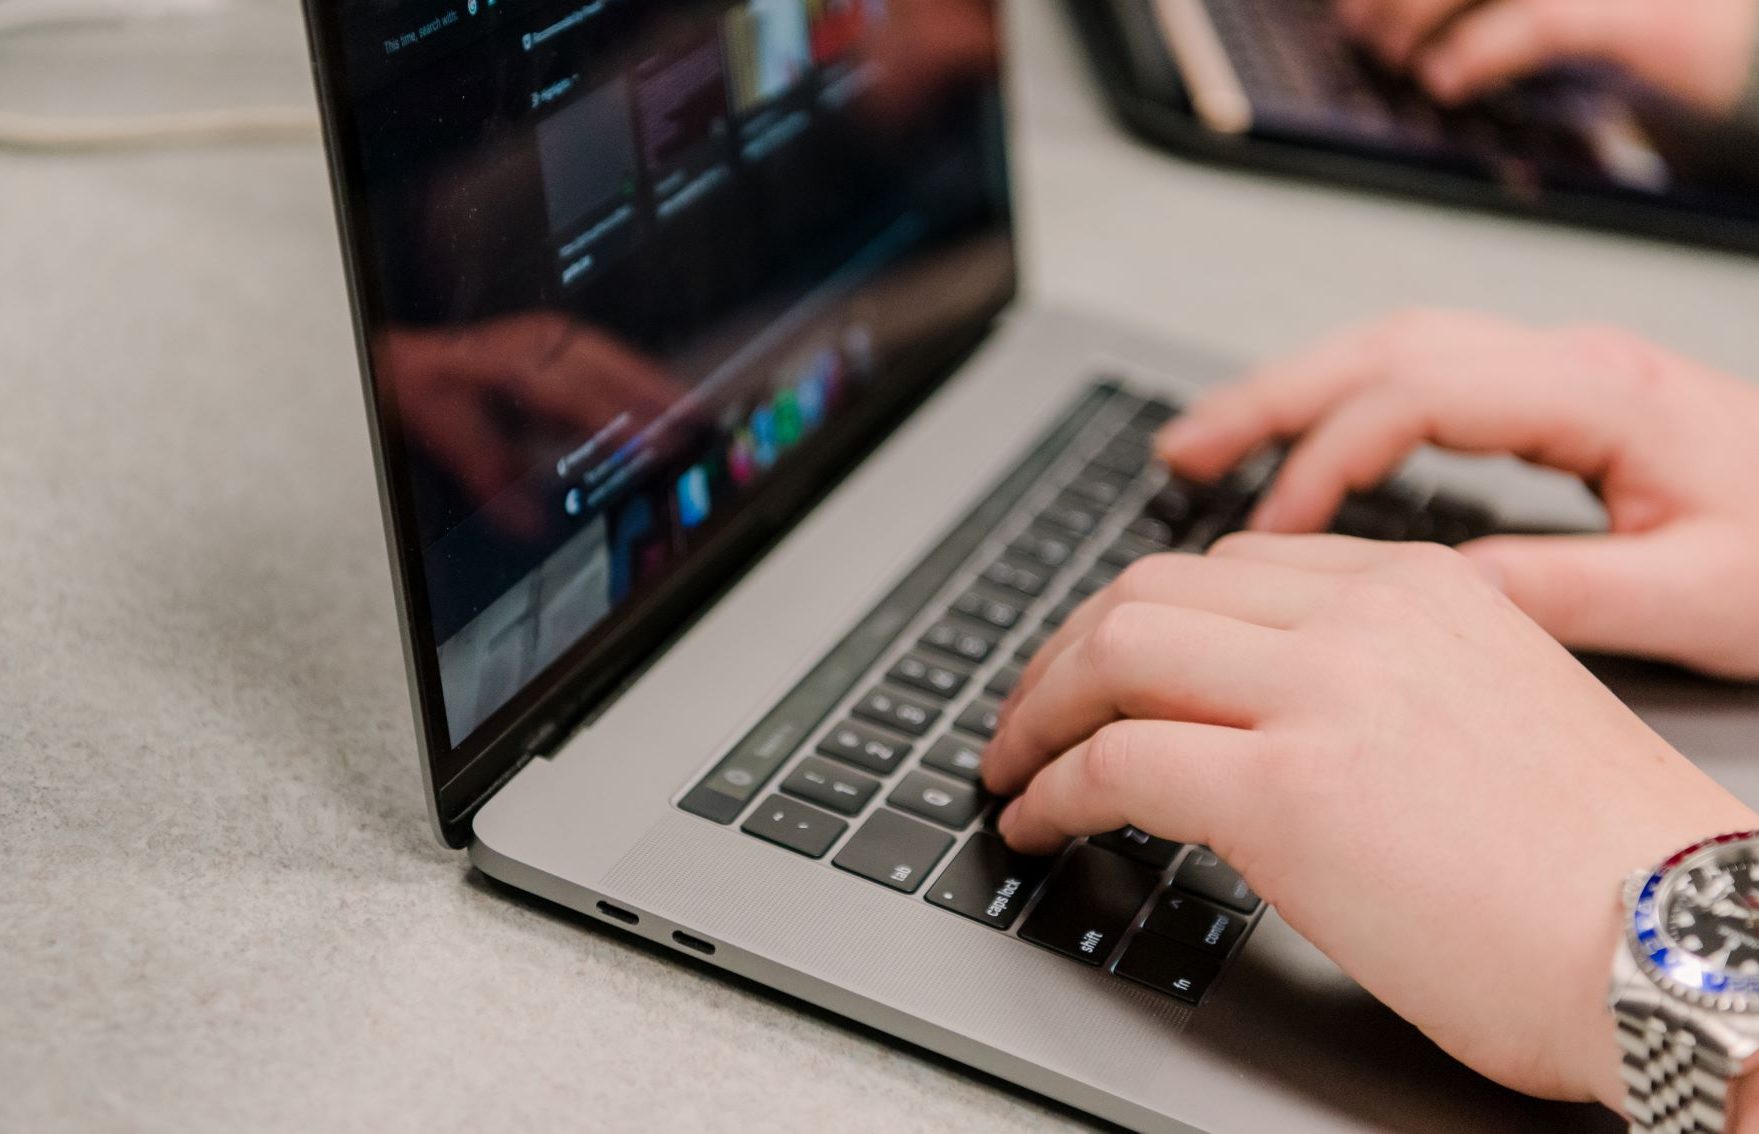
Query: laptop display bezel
<point x="589" y="675"/>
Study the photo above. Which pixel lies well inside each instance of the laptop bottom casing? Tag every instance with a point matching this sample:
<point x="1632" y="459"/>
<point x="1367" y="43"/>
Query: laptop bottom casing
<point x="1285" y="1042"/>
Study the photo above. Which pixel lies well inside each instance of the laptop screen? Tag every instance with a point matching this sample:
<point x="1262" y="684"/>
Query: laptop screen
<point x="634" y="279"/>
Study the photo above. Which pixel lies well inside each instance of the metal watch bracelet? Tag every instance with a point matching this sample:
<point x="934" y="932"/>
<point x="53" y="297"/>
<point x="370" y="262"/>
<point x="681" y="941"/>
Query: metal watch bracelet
<point x="1677" y="1077"/>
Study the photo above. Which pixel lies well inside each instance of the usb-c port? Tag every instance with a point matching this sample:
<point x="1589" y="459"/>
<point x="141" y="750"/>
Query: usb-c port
<point x="617" y="914"/>
<point x="696" y="943"/>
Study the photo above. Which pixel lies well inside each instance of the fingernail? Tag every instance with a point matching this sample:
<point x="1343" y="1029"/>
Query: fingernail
<point x="1005" y="822"/>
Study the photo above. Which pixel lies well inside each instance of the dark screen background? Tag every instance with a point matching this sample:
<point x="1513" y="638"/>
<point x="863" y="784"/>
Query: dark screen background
<point x="633" y="263"/>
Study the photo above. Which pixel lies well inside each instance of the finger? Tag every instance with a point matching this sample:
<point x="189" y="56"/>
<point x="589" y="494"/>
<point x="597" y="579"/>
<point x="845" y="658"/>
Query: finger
<point x="1264" y="594"/>
<point x="591" y="381"/>
<point x="1178" y="781"/>
<point x="1143" y="660"/>
<point x="1505" y="40"/>
<point x="461" y="437"/>
<point x="1566" y="400"/>
<point x="1611" y="593"/>
<point x="1401" y="26"/>
<point x="1277" y="401"/>
<point x="1359" y="446"/>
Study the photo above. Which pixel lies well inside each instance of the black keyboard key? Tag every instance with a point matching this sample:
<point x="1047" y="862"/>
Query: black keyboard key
<point x="1197" y="925"/>
<point x="960" y="642"/>
<point x="1008" y="575"/>
<point x="1207" y="876"/>
<point x="1098" y="492"/>
<point x="940" y="800"/>
<point x="1032" y="644"/>
<point x="956" y="757"/>
<point x="1060" y="613"/>
<point x="979" y="718"/>
<point x="1154" y="414"/>
<point x="1176" y="505"/>
<point x="1089" y="904"/>
<point x="802" y="829"/>
<point x="991" y="612"/>
<point x="1061" y="518"/>
<point x="894" y="710"/>
<point x="857" y="744"/>
<point x="1165" y="967"/>
<point x="1454" y="522"/>
<point x="1152" y="531"/>
<point x="894" y="851"/>
<point x="919" y="673"/>
<point x="1127" y="551"/>
<point x="1004" y="681"/>
<point x="1366" y="517"/>
<point x="1044" y="550"/>
<point x="989" y="883"/>
<point x="1139" y="845"/>
<point x="1096" y="580"/>
<point x="1121" y="458"/>
<point x="824" y="783"/>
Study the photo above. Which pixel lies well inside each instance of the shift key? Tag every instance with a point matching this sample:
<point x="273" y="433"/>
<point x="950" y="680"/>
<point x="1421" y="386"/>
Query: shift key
<point x="1089" y="904"/>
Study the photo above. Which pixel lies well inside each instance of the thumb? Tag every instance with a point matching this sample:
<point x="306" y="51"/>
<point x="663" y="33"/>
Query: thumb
<point x="1603" y="592"/>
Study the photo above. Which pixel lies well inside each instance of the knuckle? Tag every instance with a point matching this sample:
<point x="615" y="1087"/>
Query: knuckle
<point x="1613" y="352"/>
<point x="1110" y="755"/>
<point x="1111" y="639"/>
<point x="1435" y="559"/>
<point x="1139" y="579"/>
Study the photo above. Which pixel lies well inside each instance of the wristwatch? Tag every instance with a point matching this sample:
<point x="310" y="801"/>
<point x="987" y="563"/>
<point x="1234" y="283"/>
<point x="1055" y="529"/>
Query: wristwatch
<point x="1685" y="987"/>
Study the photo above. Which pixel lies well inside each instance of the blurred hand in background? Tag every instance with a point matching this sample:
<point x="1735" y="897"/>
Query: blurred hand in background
<point x="491" y="402"/>
<point x="1700" y="51"/>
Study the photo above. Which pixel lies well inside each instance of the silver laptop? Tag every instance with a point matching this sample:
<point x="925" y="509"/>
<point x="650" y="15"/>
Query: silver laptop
<point x="728" y="486"/>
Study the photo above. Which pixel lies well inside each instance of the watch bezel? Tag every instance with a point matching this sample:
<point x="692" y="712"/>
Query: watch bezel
<point x="1680" y="973"/>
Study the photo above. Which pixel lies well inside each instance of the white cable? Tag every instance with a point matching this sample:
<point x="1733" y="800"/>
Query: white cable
<point x="57" y="134"/>
<point x="46" y="134"/>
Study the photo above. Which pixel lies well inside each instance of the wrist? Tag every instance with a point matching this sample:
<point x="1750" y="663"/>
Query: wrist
<point x="1606" y="1082"/>
<point x="1744" y="1111"/>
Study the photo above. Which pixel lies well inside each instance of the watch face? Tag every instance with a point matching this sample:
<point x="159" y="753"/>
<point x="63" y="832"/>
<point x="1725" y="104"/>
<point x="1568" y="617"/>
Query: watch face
<point x="1712" y="912"/>
<point x="1696" y="921"/>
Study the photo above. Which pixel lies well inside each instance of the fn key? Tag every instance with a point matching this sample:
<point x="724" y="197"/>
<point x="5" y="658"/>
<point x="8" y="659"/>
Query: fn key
<point x="1169" y="968"/>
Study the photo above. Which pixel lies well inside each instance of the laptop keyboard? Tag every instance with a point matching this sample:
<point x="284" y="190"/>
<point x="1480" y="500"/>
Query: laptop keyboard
<point x="1302" y="73"/>
<point x="871" y="762"/>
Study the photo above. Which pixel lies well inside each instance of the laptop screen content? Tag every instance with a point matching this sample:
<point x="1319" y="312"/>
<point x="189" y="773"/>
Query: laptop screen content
<point x="631" y="272"/>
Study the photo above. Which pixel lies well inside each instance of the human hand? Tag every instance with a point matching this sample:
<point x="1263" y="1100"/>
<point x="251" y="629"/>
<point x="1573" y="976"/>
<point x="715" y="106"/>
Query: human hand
<point x="1417" y="777"/>
<point x="488" y="402"/>
<point x="1699" y="52"/>
<point x="924" y="47"/>
<point x="1668" y="445"/>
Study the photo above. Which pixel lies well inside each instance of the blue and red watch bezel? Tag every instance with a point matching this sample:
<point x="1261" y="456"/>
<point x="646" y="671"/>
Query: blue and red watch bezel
<point x="1669" y="962"/>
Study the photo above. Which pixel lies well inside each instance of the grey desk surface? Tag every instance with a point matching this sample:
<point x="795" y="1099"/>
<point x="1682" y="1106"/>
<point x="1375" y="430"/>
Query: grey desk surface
<point x="220" y="906"/>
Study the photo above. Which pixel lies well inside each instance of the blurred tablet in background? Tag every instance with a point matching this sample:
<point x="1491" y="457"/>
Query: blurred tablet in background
<point x="1278" y="85"/>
